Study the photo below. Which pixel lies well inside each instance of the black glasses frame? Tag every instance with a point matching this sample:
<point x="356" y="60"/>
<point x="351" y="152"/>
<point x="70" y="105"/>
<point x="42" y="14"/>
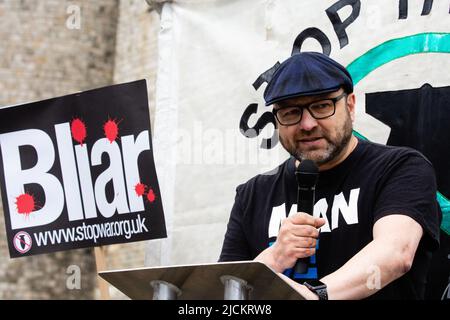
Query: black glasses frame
<point x="335" y="99"/>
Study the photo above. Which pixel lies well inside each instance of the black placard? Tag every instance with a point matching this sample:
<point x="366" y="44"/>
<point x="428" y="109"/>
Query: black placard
<point x="78" y="171"/>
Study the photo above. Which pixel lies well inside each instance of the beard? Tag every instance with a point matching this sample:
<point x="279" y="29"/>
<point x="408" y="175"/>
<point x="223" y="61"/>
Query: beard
<point x="335" y="145"/>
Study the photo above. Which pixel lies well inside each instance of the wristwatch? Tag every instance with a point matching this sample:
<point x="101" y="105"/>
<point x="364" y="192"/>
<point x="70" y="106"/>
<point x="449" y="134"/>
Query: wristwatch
<point x="318" y="287"/>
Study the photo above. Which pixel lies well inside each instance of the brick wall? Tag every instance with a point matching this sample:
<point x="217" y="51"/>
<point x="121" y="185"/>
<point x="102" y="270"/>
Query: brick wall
<point x="137" y="46"/>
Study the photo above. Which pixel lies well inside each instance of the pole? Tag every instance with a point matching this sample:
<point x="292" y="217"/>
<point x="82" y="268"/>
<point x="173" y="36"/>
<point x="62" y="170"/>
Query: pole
<point x="100" y="262"/>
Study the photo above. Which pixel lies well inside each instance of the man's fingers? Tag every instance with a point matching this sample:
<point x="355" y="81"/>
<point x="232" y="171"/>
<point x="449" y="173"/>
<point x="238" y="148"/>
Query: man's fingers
<point x="306" y="243"/>
<point x="319" y="222"/>
<point x="304" y="231"/>
<point x="304" y="252"/>
<point x="302" y="218"/>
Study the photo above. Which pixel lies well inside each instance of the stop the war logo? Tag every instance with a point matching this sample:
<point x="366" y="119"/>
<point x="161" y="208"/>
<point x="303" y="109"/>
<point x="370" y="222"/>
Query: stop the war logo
<point x="78" y="171"/>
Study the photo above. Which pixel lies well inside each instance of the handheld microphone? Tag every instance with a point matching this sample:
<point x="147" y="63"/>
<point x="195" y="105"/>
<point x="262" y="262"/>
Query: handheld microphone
<point x="307" y="174"/>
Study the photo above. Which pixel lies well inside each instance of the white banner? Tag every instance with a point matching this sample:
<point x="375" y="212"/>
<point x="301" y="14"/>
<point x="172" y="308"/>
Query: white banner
<point x="210" y="55"/>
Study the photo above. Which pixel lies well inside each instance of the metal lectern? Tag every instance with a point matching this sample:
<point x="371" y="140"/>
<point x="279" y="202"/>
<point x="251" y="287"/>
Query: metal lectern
<point x="245" y="280"/>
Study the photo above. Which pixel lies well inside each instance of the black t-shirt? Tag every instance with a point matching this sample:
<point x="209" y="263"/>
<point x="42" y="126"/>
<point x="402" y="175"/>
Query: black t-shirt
<point x="372" y="182"/>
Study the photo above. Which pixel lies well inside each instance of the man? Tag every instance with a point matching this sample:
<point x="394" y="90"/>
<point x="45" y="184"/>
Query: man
<point x="375" y="205"/>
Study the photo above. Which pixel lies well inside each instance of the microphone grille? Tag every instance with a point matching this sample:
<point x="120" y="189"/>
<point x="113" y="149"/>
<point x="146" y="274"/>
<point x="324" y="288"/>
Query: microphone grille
<point x="307" y="174"/>
<point x="307" y="166"/>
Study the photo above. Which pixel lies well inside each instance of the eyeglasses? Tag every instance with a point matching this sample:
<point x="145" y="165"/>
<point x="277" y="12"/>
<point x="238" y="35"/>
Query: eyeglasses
<point x="321" y="109"/>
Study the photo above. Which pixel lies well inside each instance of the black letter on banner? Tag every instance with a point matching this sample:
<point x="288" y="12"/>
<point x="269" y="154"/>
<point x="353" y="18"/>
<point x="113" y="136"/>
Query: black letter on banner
<point x="339" y="25"/>
<point x="266" y="76"/>
<point x="427" y="7"/>
<point x="403" y="8"/>
<point x="266" y="118"/>
<point x="312" y="33"/>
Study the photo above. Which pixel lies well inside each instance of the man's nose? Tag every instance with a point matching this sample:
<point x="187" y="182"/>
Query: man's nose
<point x="308" y="122"/>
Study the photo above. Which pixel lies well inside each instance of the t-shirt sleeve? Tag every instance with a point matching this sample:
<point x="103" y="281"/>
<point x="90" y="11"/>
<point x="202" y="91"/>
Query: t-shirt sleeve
<point x="409" y="187"/>
<point x="235" y="246"/>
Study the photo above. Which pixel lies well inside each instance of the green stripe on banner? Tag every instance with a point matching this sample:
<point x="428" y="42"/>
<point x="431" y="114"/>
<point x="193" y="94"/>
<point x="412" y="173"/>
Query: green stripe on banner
<point x="445" y="207"/>
<point x="433" y="42"/>
<point x="398" y="48"/>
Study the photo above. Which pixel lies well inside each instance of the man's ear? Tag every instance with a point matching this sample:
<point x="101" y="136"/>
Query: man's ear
<point x="351" y="102"/>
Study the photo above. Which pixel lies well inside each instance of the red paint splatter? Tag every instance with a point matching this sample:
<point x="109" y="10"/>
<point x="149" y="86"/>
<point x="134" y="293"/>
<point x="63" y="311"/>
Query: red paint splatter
<point x="140" y="189"/>
<point x="111" y="130"/>
<point x="78" y="129"/>
<point x="25" y="204"/>
<point x="151" y="195"/>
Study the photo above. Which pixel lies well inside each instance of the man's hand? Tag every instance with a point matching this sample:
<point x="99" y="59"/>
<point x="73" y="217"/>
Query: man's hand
<point x="296" y="239"/>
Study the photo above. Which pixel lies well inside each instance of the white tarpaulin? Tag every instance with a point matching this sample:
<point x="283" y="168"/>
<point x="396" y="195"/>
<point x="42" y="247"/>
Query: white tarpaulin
<point x="210" y="54"/>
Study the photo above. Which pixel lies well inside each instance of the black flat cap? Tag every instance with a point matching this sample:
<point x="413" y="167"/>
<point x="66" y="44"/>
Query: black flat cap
<point x="307" y="73"/>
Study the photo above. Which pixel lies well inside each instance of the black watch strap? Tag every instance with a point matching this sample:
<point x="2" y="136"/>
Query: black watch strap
<point x="322" y="293"/>
<point x="319" y="290"/>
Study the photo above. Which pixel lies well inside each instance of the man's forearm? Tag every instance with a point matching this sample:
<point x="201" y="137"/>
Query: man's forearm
<point x="371" y="269"/>
<point x="375" y="266"/>
<point x="389" y="256"/>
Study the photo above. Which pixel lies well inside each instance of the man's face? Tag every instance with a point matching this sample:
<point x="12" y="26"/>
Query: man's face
<point x="322" y="141"/>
